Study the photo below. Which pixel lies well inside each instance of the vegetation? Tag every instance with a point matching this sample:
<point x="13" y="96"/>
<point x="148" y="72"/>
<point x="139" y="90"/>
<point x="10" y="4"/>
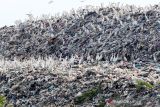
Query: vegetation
<point x="142" y="84"/>
<point x="88" y="95"/>
<point x="2" y="101"/>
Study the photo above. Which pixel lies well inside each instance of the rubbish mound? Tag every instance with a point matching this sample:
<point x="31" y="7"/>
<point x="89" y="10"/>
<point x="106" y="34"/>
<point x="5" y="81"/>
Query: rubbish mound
<point x="67" y="60"/>
<point x="91" y="86"/>
<point x="105" y="33"/>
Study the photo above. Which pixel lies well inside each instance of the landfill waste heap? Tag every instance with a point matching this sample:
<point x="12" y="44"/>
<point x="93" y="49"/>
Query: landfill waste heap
<point x="110" y="57"/>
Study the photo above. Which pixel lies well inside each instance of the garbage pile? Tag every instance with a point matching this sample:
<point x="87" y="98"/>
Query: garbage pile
<point x="105" y="33"/>
<point x="92" y="57"/>
<point x="88" y="85"/>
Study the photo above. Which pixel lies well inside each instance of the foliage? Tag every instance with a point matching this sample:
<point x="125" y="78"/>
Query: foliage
<point x="142" y="84"/>
<point x="2" y="100"/>
<point x="88" y="95"/>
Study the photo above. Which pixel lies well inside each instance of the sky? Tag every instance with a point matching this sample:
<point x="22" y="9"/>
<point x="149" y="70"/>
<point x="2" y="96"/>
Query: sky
<point x="12" y="10"/>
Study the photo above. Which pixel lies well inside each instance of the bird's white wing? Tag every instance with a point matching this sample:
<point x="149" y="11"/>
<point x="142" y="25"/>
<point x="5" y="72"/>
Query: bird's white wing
<point x="50" y="2"/>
